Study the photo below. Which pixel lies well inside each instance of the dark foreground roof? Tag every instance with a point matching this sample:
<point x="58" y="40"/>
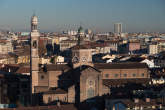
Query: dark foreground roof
<point x="141" y="103"/>
<point x="120" y="65"/>
<point x="60" y="107"/>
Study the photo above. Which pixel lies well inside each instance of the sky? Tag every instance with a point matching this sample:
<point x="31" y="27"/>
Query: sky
<point x="98" y="15"/>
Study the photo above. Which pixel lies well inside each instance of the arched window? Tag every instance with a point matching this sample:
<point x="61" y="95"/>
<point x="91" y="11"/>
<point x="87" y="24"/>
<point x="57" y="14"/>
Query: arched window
<point x="35" y="44"/>
<point x="90" y="92"/>
<point x="90" y="84"/>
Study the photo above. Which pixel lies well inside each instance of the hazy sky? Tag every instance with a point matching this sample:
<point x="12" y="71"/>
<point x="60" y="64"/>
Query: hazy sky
<point x="99" y="15"/>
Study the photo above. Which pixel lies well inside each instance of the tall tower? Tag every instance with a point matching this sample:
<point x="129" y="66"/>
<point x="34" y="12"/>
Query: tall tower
<point x="118" y="28"/>
<point x="34" y="57"/>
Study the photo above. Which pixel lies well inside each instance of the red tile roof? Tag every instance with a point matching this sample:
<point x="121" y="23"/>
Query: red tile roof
<point x="120" y="65"/>
<point x="116" y="82"/>
<point x="23" y="70"/>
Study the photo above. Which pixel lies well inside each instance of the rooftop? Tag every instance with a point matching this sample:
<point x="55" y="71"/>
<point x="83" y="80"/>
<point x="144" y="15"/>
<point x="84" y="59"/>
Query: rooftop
<point x="120" y="65"/>
<point x="56" y="91"/>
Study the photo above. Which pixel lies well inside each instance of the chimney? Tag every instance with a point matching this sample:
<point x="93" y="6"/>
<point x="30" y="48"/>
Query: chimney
<point x="147" y="99"/>
<point x="136" y="100"/>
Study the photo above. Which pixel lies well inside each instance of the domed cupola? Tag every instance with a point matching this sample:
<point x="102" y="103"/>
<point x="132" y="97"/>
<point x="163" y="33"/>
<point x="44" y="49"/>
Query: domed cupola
<point x="80" y="30"/>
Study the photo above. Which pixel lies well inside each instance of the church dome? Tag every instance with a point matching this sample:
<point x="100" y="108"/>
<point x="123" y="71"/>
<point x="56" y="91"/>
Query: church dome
<point x="80" y="30"/>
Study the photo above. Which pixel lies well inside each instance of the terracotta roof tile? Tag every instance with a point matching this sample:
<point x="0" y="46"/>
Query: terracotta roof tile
<point x="120" y="65"/>
<point x="115" y="82"/>
<point x="61" y="107"/>
<point x="23" y="70"/>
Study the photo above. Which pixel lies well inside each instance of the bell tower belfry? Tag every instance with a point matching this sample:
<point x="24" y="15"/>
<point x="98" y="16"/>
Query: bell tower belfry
<point x="34" y="57"/>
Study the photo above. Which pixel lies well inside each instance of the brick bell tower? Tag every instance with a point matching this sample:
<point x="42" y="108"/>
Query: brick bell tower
<point x="34" y="57"/>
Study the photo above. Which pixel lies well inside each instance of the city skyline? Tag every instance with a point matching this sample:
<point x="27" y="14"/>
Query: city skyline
<point x="100" y="16"/>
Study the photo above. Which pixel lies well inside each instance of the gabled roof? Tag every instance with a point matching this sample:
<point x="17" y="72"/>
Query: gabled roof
<point x="84" y="67"/>
<point x="88" y="68"/>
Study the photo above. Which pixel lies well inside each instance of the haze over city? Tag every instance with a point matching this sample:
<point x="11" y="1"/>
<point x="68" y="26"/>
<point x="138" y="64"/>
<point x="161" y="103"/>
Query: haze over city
<point x="98" y="15"/>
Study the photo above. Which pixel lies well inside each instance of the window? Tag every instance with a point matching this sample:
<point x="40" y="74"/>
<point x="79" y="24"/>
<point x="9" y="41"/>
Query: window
<point x="116" y="75"/>
<point x="65" y="99"/>
<point x="57" y="99"/>
<point x="90" y="92"/>
<point x="142" y="74"/>
<point x="125" y="75"/>
<point x="106" y="75"/>
<point x="49" y="99"/>
<point x="42" y="76"/>
<point x="35" y="44"/>
<point x="134" y="75"/>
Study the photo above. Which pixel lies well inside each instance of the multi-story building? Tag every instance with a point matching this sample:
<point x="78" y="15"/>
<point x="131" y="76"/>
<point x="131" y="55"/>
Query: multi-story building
<point x="152" y="48"/>
<point x="132" y="104"/>
<point x="113" y="45"/>
<point x="133" y="46"/>
<point x="3" y="90"/>
<point x="160" y="60"/>
<point x="5" y="47"/>
<point x="66" y="44"/>
<point x="14" y="88"/>
<point x="7" y="59"/>
<point x="161" y="46"/>
<point x="117" y="28"/>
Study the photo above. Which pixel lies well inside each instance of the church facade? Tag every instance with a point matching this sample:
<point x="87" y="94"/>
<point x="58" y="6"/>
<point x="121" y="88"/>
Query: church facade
<point x="82" y="80"/>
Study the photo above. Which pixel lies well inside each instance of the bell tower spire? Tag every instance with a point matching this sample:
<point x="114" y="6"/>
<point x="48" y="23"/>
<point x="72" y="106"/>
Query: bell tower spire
<point x="34" y="23"/>
<point x="34" y="57"/>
